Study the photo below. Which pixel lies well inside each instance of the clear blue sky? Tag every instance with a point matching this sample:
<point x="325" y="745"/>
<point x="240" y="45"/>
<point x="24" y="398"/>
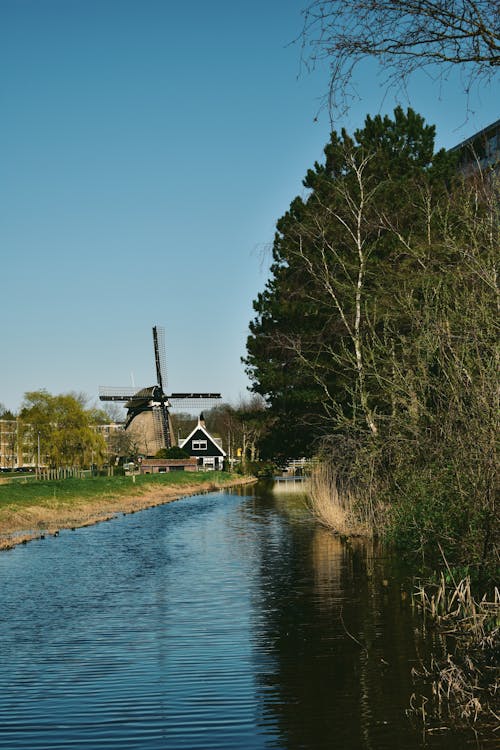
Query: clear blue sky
<point x="147" y="149"/>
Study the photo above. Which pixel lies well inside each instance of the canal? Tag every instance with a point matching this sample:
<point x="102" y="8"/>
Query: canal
<point x="225" y="620"/>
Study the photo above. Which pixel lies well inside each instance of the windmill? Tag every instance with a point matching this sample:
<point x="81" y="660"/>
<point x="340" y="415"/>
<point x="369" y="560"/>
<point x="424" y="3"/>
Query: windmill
<point x="148" y="408"/>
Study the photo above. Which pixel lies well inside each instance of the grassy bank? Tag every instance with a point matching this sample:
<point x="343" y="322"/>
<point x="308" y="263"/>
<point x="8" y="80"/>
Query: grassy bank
<point x="29" y="510"/>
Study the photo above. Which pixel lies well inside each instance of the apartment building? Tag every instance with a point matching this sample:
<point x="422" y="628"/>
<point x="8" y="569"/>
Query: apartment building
<point x="17" y="444"/>
<point x="481" y="150"/>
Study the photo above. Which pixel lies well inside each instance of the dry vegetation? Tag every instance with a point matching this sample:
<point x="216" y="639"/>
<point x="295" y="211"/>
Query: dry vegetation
<point x="338" y="507"/>
<point x="465" y="681"/>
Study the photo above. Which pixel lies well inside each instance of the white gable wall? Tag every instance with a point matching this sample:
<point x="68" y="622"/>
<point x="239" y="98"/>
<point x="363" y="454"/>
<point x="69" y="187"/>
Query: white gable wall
<point x="207" y="449"/>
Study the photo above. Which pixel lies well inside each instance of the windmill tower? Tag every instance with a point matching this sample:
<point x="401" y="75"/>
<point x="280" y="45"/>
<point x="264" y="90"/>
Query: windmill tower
<point x="148" y="409"/>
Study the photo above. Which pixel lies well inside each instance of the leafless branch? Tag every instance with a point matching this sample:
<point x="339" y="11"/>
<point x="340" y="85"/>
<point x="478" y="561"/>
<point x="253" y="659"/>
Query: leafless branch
<point x="403" y="36"/>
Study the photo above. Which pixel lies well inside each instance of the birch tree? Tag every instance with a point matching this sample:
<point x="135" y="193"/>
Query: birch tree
<point x="308" y="349"/>
<point x="344" y="237"/>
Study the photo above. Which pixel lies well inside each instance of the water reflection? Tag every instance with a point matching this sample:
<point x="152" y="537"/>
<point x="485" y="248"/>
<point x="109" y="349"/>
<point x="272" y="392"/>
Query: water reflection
<point x="223" y="621"/>
<point x="344" y="640"/>
<point x="325" y="670"/>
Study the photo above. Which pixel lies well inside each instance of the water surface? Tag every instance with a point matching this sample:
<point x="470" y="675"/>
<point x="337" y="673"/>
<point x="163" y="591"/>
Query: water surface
<point x="227" y="620"/>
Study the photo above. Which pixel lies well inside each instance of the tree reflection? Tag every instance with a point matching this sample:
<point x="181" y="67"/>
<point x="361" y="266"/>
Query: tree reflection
<point x="334" y="642"/>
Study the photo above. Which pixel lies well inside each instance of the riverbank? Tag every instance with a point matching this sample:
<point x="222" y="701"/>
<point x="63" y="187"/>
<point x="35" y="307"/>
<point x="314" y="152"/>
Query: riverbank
<point x="32" y="510"/>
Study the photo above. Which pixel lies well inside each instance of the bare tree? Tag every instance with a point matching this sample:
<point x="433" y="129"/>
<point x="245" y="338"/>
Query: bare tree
<point x="342" y="236"/>
<point x="403" y="36"/>
<point x="114" y="411"/>
<point x="250" y="414"/>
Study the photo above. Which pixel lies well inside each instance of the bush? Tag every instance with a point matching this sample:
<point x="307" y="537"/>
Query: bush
<point x="173" y="452"/>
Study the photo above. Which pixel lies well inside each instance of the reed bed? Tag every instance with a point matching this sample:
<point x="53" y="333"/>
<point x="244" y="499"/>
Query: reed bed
<point x="465" y="680"/>
<point x="338" y="507"/>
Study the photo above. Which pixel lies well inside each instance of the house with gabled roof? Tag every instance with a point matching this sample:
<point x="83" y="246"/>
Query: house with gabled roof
<point x="202" y="445"/>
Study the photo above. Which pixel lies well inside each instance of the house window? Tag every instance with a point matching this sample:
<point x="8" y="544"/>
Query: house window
<point x="199" y="445"/>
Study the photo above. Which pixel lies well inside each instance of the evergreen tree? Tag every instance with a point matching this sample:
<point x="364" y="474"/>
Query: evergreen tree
<point x="336" y="266"/>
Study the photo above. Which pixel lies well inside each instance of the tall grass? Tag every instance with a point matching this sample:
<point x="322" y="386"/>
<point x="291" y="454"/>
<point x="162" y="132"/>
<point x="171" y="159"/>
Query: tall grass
<point x="337" y="506"/>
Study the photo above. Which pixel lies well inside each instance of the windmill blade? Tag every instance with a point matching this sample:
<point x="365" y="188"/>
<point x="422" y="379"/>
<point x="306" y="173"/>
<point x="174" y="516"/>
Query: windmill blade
<point x="162" y="426"/>
<point x="165" y="425"/>
<point x="195" y="395"/>
<point x="116" y="394"/>
<point x="160" y="358"/>
<point x="158" y="431"/>
<point x="193" y="401"/>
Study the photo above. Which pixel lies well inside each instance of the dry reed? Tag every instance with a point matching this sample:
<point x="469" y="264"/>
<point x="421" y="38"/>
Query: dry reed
<point x="336" y="506"/>
<point x="465" y="684"/>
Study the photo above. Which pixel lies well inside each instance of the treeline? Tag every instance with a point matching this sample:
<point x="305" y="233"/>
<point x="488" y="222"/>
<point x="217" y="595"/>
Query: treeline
<point x="375" y="341"/>
<point x="55" y="431"/>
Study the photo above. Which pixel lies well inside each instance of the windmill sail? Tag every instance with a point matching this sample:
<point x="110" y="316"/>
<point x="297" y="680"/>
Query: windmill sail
<point x="160" y="358"/>
<point x="109" y="393"/>
<point x="162" y="423"/>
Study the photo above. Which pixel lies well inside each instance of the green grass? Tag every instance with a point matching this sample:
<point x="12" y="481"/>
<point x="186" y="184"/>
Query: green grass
<point x="28" y="493"/>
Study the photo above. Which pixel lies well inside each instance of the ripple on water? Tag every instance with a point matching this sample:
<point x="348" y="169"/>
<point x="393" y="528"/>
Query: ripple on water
<point x="209" y="623"/>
